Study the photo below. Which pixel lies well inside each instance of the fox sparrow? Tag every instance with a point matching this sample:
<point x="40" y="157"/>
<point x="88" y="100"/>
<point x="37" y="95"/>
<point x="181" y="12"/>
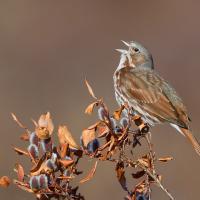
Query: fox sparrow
<point x="148" y="94"/>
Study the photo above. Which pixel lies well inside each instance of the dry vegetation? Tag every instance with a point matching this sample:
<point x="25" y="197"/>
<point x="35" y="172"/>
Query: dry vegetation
<point x="112" y="138"/>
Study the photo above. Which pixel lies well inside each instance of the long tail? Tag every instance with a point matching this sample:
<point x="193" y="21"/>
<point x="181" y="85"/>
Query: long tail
<point x="192" y="139"/>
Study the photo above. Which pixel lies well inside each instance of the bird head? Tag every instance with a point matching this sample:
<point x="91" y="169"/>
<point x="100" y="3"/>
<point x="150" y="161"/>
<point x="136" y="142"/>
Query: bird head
<point x="136" y="55"/>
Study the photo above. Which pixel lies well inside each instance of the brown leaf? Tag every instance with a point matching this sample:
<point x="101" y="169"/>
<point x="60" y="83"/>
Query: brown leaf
<point x="19" y="123"/>
<point x="102" y="130"/>
<point x="65" y="177"/>
<point x="25" y="137"/>
<point x="91" y="174"/>
<point x="94" y="126"/>
<point x="90" y="89"/>
<point x="23" y="186"/>
<point x="90" y="108"/>
<point x="117" y="113"/>
<point x="20" y="172"/>
<point x="144" y="162"/>
<point x="121" y="175"/>
<point x="138" y="174"/>
<point x="4" y="181"/>
<point x="38" y="164"/>
<point x="66" y="163"/>
<point x="88" y="136"/>
<point x="65" y="136"/>
<point x="165" y="159"/>
<point x="63" y="151"/>
<point x="20" y="151"/>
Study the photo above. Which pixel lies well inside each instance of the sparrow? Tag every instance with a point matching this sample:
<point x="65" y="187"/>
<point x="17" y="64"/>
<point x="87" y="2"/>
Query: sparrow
<point x="137" y="84"/>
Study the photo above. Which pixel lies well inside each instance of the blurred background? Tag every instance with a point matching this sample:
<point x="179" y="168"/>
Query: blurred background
<point x="48" y="47"/>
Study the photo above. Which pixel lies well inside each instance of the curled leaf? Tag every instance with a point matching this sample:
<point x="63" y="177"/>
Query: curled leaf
<point x="87" y="136"/>
<point x="65" y="136"/>
<point x="25" y="137"/>
<point x="20" y="172"/>
<point x="20" y="151"/>
<point x="90" y="89"/>
<point x="117" y="113"/>
<point x="91" y="174"/>
<point x="138" y="174"/>
<point x="102" y="130"/>
<point x="18" y="122"/>
<point x="90" y="108"/>
<point x="165" y="159"/>
<point x="23" y="186"/>
<point x="66" y="163"/>
<point x="4" y="181"/>
<point x="38" y="165"/>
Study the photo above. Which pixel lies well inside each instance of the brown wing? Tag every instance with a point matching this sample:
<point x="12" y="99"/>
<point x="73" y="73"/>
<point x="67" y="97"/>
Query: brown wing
<point x="155" y="95"/>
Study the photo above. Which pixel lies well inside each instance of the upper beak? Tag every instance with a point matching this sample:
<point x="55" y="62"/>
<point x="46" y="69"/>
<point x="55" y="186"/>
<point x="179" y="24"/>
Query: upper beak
<point x="126" y="43"/>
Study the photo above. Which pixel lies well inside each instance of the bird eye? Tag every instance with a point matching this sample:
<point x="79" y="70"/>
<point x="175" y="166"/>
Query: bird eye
<point x="136" y="49"/>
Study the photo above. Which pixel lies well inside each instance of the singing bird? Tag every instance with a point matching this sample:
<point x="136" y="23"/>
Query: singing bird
<point x="147" y="93"/>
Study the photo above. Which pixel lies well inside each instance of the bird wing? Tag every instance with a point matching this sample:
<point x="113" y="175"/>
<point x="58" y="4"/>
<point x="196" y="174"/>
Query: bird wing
<point x="153" y="94"/>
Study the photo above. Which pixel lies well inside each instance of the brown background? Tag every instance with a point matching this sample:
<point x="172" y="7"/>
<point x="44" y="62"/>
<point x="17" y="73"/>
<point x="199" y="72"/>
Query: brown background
<point x="48" y="47"/>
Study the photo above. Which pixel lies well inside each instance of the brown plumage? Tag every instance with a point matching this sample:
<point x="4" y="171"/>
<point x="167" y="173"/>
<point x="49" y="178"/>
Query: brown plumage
<point x="137" y="84"/>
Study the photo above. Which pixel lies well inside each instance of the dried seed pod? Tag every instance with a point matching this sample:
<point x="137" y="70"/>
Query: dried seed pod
<point x="117" y="130"/>
<point x="141" y="197"/>
<point x="124" y="122"/>
<point x="51" y="165"/>
<point x="46" y="145"/>
<point x="54" y="157"/>
<point x="43" y="181"/>
<point x="93" y="145"/>
<point x="33" y="150"/>
<point x="102" y="114"/>
<point x="33" y="139"/>
<point x="34" y="183"/>
<point x="66" y="173"/>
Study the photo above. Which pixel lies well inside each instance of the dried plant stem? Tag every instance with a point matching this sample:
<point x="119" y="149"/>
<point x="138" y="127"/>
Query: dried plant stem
<point x="155" y="179"/>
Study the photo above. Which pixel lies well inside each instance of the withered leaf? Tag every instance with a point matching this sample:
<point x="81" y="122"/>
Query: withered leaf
<point x="121" y="175"/>
<point x="23" y="186"/>
<point x="102" y="130"/>
<point x="18" y="122"/>
<point x="65" y="177"/>
<point x="66" y="163"/>
<point x="38" y="164"/>
<point x="90" y="89"/>
<point x="4" y="181"/>
<point x="117" y="113"/>
<point x="90" y="108"/>
<point x="65" y="136"/>
<point x="144" y="162"/>
<point x="138" y="174"/>
<point x="94" y="126"/>
<point x="63" y="151"/>
<point x="165" y="159"/>
<point x="87" y="136"/>
<point x="20" y="151"/>
<point x="25" y="137"/>
<point x="20" y="172"/>
<point x="91" y="173"/>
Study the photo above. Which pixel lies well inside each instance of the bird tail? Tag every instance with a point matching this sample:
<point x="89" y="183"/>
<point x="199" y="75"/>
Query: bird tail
<point x="188" y="134"/>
